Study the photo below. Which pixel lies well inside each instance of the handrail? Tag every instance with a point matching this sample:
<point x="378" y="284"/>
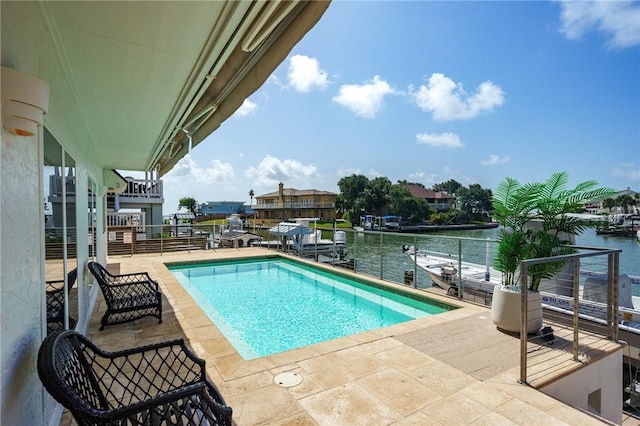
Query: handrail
<point x="379" y="254"/>
<point x="612" y="297"/>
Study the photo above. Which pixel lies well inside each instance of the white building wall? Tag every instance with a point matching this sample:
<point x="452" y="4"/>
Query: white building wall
<point x="23" y="400"/>
<point x="604" y="374"/>
<point x="21" y="284"/>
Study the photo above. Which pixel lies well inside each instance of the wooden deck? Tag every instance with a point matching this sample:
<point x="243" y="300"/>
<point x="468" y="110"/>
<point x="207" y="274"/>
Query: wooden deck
<point x="474" y="346"/>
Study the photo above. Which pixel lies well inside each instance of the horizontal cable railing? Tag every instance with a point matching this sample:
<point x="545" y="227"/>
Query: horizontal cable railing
<point x="581" y="313"/>
<point x="295" y="205"/>
<point x="583" y="305"/>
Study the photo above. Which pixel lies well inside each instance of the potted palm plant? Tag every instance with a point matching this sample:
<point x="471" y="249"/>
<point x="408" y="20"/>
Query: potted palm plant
<point x="537" y="220"/>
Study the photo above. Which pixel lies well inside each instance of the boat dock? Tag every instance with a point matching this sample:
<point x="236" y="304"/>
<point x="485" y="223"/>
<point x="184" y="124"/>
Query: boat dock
<point x="434" y="228"/>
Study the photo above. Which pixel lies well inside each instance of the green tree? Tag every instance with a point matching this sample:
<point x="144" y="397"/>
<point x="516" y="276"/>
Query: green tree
<point x="351" y="190"/>
<point x="609" y="203"/>
<point x="406" y="182"/>
<point x="625" y="201"/>
<point x="405" y="205"/>
<point x="251" y="194"/>
<point x="474" y="202"/>
<point x="188" y="203"/>
<point x="376" y="195"/>
<point x="450" y="187"/>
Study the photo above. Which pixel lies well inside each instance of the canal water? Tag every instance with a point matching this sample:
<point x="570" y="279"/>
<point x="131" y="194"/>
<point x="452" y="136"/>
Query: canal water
<point x="381" y="254"/>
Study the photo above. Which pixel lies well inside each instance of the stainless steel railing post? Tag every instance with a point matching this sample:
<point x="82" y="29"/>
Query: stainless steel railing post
<point x="523" y="322"/>
<point x="459" y="269"/>
<point x="415" y="261"/>
<point x="576" y="310"/>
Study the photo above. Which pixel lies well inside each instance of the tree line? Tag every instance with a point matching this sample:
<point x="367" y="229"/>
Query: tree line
<point x="360" y="195"/>
<point x="379" y="196"/>
<point x="626" y="202"/>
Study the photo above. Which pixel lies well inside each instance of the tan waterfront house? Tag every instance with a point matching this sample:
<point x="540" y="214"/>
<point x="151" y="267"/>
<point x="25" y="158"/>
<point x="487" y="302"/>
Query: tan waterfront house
<point x="290" y="204"/>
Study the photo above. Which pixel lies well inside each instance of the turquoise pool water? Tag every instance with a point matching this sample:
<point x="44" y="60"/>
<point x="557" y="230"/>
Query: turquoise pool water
<point x="274" y="305"/>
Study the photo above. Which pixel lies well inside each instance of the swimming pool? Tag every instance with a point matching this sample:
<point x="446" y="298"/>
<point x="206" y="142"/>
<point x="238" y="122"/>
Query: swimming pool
<point x="267" y="306"/>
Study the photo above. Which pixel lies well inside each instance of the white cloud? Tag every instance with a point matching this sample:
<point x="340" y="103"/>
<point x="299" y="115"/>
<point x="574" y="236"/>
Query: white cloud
<point x="186" y="171"/>
<point x="186" y="179"/>
<point x="374" y="173"/>
<point x="247" y="108"/>
<point x="628" y="171"/>
<point x="273" y="79"/>
<point x="348" y="171"/>
<point x="448" y="173"/>
<point x="422" y="177"/>
<point x="619" y="20"/>
<point x="496" y="159"/>
<point x="365" y="100"/>
<point x="419" y="174"/>
<point x="446" y="140"/>
<point x="447" y="100"/>
<point x="305" y="74"/>
<point x="272" y="170"/>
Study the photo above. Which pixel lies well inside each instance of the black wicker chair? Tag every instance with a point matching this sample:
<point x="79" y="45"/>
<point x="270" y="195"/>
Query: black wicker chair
<point x="163" y="383"/>
<point x="55" y="302"/>
<point x="128" y="296"/>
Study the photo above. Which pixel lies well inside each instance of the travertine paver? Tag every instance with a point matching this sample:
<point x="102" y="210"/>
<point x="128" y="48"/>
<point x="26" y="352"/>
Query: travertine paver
<point x="370" y="378"/>
<point x="456" y="406"/>
<point x="348" y="405"/>
<point x="399" y="390"/>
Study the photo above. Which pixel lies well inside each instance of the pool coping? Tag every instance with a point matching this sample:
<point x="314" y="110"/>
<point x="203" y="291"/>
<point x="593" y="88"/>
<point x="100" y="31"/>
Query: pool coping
<point x="367" y="378"/>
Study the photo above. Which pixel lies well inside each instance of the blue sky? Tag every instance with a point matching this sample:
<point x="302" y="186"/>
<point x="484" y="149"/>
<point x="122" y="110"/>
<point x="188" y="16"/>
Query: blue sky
<point x="431" y="91"/>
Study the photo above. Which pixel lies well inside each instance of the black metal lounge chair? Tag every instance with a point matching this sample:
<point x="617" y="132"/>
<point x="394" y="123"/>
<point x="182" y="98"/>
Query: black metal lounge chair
<point x="163" y="383"/>
<point x="128" y="296"/>
<point x="55" y="302"/>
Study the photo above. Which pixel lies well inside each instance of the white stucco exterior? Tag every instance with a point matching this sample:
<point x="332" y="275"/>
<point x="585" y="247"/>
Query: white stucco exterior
<point x="21" y="301"/>
<point x="604" y="375"/>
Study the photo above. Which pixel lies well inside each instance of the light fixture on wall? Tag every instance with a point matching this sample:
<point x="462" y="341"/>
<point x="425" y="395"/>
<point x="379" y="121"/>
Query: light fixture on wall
<point x="25" y="99"/>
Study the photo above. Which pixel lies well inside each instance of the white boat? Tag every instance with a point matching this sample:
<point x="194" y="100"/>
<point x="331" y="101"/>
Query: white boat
<point x="233" y="235"/>
<point x="308" y="241"/>
<point x="443" y="269"/>
<point x="368" y="222"/>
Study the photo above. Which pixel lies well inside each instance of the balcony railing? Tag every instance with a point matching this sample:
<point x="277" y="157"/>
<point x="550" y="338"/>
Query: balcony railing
<point x="300" y="205"/>
<point x="136" y="188"/>
<point x="142" y="188"/>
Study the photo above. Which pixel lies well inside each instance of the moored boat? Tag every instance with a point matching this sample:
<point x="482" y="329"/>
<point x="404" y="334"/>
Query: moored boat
<point x="308" y="241"/>
<point x="445" y="270"/>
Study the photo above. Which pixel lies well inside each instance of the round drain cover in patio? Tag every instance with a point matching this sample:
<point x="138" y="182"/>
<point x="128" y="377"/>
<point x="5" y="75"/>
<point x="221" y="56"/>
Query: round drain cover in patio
<point x="288" y="379"/>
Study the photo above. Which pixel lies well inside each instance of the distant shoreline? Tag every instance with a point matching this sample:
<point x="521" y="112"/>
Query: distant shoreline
<point x="434" y="228"/>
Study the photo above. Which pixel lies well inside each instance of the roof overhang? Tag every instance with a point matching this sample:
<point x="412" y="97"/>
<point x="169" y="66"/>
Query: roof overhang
<point x="251" y="56"/>
<point x="113" y="181"/>
<point x="132" y="81"/>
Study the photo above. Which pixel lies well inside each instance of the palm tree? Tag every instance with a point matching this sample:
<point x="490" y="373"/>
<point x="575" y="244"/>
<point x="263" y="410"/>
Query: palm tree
<point x="549" y="203"/>
<point x="609" y="203"/>
<point x="251" y="194"/>
<point x="625" y="201"/>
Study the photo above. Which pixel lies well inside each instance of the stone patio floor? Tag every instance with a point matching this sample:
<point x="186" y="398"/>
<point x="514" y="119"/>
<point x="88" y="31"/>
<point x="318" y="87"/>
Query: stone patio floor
<point x="372" y="378"/>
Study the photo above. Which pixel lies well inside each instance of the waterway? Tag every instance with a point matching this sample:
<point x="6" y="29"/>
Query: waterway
<point x="381" y="255"/>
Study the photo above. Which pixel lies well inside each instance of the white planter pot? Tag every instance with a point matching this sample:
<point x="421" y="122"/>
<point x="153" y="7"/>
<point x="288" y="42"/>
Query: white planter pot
<point x="505" y="309"/>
